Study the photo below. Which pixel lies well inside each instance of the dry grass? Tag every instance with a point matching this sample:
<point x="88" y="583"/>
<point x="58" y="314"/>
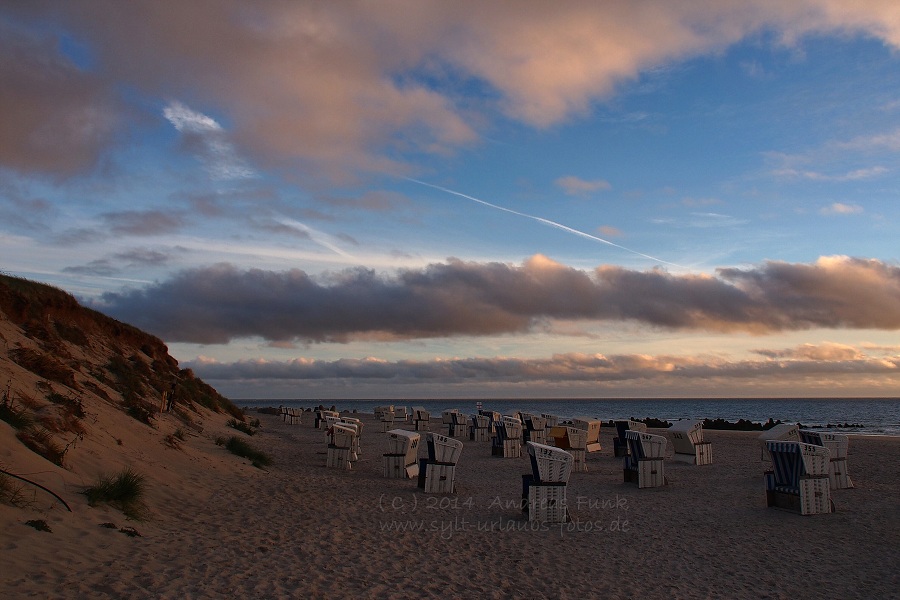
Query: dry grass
<point x="124" y="491"/>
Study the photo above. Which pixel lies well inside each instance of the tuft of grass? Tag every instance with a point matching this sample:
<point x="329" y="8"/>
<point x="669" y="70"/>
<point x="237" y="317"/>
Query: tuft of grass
<point x="40" y="441"/>
<point x="17" y="417"/>
<point x="124" y="491"/>
<point x="44" y="365"/>
<point x="241" y="426"/>
<point x="239" y="447"/>
<point x="14" y="493"/>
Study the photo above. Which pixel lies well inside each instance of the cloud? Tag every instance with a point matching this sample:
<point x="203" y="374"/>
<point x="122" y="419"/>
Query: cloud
<point x="142" y="222"/>
<point x="574" y="186"/>
<point x="209" y="141"/>
<point x="839" y="208"/>
<point x="57" y="119"/>
<point x="336" y="89"/>
<point x="456" y="298"/>
<point x="609" y="231"/>
<point x="854" y="175"/>
<point x="559" y="369"/>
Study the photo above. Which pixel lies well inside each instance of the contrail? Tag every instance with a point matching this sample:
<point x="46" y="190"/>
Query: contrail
<point x="545" y="222"/>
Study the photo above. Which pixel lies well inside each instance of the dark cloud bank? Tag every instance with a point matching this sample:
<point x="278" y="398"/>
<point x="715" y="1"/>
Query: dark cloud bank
<point x="217" y="304"/>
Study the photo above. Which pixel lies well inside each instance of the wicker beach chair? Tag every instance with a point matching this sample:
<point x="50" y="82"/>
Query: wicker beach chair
<point x="620" y="446"/>
<point x="402" y="458"/>
<point x="574" y="441"/>
<point x="592" y="426"/>
<point x="644" y="464"/>
<point x="437" y="472"/>
<point x="838" y="445"/>
<point x="798" y="480"/>
<point x="687" y="440"/>
<point x="507" y="440"/>
<point x="544" y="489"/>
<point x="342" y="440"/>
<point x="783" y="432"/>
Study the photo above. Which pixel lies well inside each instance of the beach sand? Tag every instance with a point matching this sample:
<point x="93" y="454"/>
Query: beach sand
<point x="221" y="528"/>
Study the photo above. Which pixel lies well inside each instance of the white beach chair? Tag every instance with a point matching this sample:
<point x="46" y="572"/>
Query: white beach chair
<point x="358" y="424"/>
<point x="535" y="428"/>
<point x="592" y="426"/>
<point x="798" y="480"/>
<point x="507" y="440"/>
<point x="460" y="425"/>
<point x="385" y="416"/>
<point x="838" y="445"/>
<point x="321" y="421"/>
<point x="342" y="439"/>
<point x="620" y="446"/>
<point x="544" y="489"/>
<point x="402" y="458"/>
<point x="783" y="432"/>
<point x="550" y="420"/>
<point x="437" y="472"/>
<point x="687" y="440"/>
<point x="421" y="418"/>
<point x="480" y="428"/>
<point x="644" y="464"/>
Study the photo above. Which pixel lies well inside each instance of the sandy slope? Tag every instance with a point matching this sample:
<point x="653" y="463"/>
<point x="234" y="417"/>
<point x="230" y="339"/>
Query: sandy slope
<point x="222" y="528"/>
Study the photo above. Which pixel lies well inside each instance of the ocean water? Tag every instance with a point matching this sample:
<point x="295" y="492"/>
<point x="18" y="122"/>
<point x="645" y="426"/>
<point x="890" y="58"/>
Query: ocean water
<point x="869" y="416"/>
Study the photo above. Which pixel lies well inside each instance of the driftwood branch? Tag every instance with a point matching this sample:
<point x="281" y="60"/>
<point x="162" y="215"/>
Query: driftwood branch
<point x="51" y="492"/>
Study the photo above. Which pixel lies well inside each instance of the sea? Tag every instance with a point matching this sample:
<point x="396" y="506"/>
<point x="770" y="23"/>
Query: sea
<point x="864" y="416"/>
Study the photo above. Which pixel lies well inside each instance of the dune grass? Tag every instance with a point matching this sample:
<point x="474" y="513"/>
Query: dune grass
<point x="241" y="448"/>
<point x="124" y="491"/>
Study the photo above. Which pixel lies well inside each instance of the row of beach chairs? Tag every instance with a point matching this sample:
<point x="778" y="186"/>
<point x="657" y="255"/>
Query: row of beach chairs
<point x="806" y="464"/>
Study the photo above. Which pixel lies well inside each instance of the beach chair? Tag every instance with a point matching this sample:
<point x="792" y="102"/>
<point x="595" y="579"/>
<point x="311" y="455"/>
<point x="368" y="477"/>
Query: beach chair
<point x="550" y="420"/>
<point x="783" y="432"/>
<point x="507" y="440"/>
<point x="354" y="422"/>
<point x="448" y="419"/>
<point x="381" y="411"/>
<point x="385" y="416"/>
<point x="535" y="429"/>
<point x="838" y="445"/>
<point x="592" y="426"/>
<point x="544" y="489"/>
<point x="480" y="428"/>
<point x="620" y="446"/>
<point x="402" y="458"/>
<point x="494" y="416"/>
<point x="644" y="464"/>
<point x="798" y="480"/>
<point x="459" y="425"/>
<point x="437" y="472"/>
<point x="421" y="418"/>
<point x="340" y="446"/>
<point x="322" y="416"/>
<point x="687" y="441"/>
<point x="573" y="440"/>
<point x="401" y="413"/>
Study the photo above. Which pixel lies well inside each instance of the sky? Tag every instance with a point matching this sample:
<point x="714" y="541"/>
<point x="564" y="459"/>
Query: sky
<point x="468" y="199"/>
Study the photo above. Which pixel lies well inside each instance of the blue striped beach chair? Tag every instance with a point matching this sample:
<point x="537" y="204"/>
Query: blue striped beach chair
<point x="644" y="463"/>
<point x="620" y="446"/>
<point x="798" y="480"/>
<point x="507" y="440"/>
